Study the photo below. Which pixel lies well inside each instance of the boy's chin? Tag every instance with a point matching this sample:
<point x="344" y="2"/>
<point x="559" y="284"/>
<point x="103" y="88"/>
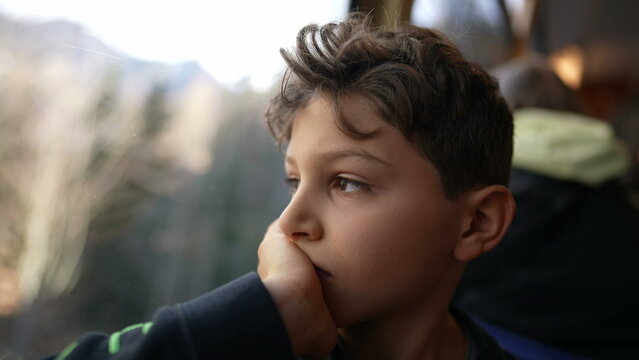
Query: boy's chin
<point x="346" y="315"/>
<point x="347" y="308"/>
<point x="344" y="324"/>
<point x="338" y="314"/>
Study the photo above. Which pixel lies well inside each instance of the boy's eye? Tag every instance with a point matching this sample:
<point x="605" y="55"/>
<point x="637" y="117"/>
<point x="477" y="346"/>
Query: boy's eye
<point x="349" y="185"/>
<point x="292" y="184"/>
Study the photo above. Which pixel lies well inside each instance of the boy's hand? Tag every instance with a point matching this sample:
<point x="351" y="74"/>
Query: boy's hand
<point x="291" y="280"/>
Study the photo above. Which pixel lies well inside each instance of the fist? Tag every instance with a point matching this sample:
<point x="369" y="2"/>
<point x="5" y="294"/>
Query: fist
<point x="291" y="280"/>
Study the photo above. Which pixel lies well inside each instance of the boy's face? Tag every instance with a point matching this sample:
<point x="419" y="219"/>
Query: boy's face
<point x="371" y="213"/>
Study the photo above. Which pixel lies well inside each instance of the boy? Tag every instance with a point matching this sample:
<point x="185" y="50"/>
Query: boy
<point x="398" y="155"/>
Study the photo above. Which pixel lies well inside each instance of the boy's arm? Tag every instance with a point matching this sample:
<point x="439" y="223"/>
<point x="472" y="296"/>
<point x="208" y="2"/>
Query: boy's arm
<point x="236" y="321"/>
<point x="276" y="318"/>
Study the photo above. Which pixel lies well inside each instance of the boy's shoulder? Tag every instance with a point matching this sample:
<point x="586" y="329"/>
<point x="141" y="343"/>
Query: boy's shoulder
<point x="481" y="345"/>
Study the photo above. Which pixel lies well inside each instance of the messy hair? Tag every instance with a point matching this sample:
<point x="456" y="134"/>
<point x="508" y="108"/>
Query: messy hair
<point x="418" y="81"/>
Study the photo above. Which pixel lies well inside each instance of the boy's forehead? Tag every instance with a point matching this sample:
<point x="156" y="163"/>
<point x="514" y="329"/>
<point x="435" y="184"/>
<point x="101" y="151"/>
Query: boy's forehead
<point x="355" y="109"/>
<point x="315" y="133"/>
<point x="319" y="123"/>
<point x="358" y="154"/>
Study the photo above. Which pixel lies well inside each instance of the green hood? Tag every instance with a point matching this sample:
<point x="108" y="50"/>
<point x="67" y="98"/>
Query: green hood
<point x="567" y="146"/>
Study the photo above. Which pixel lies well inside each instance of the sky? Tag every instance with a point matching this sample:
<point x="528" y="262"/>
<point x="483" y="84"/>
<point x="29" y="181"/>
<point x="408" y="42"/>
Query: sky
<point x="233" y="40"/>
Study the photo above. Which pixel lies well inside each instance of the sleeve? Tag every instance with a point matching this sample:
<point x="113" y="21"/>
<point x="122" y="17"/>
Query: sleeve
<point x="236" y="321"/>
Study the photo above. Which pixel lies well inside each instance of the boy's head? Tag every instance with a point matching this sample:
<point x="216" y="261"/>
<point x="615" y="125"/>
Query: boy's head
<point x="397" y="147"/>
<point x="418" y="81"/>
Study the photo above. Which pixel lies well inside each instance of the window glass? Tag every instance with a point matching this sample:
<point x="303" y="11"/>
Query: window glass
<point x="135" y="168"/>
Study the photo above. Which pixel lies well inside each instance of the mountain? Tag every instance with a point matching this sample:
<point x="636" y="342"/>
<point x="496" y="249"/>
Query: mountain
<point x="35" y="41"/>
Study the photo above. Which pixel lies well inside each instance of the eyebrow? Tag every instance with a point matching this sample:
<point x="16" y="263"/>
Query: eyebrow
<point x="360" y="154"/>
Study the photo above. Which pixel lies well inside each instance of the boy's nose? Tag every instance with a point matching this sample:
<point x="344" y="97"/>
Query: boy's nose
<point x="300" y="220"/>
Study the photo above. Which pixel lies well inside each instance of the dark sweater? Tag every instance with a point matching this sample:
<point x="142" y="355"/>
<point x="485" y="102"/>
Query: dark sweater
<point x="236" y="321"/>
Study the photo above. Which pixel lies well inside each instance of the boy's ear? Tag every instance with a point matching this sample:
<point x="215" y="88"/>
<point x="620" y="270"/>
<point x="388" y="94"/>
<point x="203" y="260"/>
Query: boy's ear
<point x="488" y="214"/>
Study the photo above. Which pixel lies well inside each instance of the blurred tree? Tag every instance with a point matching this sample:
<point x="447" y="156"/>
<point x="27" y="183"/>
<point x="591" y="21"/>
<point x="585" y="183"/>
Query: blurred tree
<point x="82" y="169"/>
<point x="208" y="232"/>
<point x="156" y="113"/>
<point x="246" y="185"/>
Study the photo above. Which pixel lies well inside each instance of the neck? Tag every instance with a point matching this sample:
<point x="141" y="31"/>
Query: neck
<point x="423" y="330"/>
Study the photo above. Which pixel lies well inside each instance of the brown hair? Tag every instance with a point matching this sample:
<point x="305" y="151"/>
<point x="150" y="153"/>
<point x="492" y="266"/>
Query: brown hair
<point x="449" y="108"/>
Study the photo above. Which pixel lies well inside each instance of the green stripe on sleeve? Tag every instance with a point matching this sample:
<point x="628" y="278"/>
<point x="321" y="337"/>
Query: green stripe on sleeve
<point x="63" y="355"/>
<point x="146" y="328"/>
<point x="114" y="340"/>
